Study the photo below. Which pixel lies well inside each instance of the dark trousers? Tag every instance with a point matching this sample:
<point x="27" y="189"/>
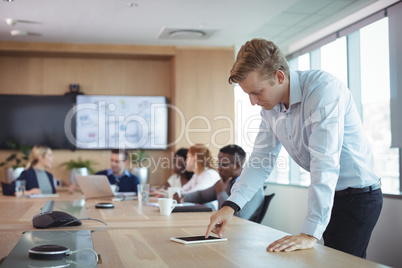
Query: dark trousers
<point x="352" y="221"/>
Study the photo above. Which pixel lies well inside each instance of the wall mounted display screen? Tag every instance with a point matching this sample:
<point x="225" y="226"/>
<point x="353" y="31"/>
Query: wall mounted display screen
<point x="36" y="120"/>
<point x="126" y="122"/>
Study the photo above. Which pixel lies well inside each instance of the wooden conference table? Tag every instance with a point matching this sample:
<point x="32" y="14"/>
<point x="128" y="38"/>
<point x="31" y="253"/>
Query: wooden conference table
<point x="139" y="236"/>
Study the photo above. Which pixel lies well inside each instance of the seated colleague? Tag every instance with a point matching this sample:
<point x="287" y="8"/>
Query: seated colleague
<point x="37" y="179"/>
<point x="181" y="176"/>
<point x="118" y="174"/>
<point x="230" y="161"/>
<point x="200" y="162"/>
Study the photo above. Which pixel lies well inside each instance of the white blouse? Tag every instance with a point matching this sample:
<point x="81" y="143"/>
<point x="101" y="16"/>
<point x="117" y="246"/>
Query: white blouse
<point x="174" y="181"/>
<point x="204" y="180"/>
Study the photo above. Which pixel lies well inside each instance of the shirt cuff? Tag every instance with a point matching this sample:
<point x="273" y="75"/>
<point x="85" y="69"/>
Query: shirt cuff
<point x="313" y="229"/>
<point x="235" y="207"/>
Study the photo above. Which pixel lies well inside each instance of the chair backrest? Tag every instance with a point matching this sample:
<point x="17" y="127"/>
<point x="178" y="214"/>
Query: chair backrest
<point x="4" y="187"/>
<point x="264" y="205"/>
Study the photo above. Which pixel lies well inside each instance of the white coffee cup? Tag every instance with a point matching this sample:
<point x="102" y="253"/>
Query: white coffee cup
<point x="166" y="205"/>
<point x="172" y="190"/>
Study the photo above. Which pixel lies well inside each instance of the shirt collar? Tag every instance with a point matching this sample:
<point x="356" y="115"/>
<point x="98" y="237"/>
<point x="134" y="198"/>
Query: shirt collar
<point x="233" y="181"/>
<point x="294" y="92"/>
<point x="294" y="88"/>
<point x="109" y="172"/>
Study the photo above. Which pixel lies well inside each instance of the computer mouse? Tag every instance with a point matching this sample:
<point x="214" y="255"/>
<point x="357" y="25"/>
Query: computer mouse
<point x="54" y="219"/>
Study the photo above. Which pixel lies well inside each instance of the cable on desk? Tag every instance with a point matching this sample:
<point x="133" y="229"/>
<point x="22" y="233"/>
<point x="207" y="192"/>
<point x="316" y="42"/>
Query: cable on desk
<point x="82" y="249"/>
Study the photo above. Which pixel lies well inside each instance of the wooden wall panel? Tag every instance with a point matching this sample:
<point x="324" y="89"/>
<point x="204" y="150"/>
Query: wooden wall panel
<point x="204" y="96"/>
<point x="20" y="75"/>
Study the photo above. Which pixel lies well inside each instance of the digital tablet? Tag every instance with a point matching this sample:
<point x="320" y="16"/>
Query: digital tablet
<point x="197" y="239"/>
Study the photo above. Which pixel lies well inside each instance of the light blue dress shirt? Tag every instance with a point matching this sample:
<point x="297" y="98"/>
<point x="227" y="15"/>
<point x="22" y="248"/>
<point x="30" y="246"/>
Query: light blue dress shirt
<point x="109" y="172"/>
<point x="322" y="132"/>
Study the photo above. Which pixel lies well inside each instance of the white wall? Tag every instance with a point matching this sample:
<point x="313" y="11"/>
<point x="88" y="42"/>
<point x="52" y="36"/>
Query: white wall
<point x="386" y="240"/>
<point x="288" y="208"/>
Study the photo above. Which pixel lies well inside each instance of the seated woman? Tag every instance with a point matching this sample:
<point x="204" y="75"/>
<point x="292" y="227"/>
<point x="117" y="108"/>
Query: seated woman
<point x="199" y="161"/>
<point x="181" y="176"/>
<point x="37" y="179"/>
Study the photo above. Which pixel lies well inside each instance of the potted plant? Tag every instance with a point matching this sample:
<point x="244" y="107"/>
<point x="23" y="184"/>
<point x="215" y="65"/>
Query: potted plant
<point x="78" y="164"/>
<point x="137" y="160"/>
<point x="81" y="167"/>
<point x="17" y="161"/>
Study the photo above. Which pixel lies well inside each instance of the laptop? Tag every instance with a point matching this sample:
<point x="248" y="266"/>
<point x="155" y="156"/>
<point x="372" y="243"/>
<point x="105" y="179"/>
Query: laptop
<point x="98" y="186"/>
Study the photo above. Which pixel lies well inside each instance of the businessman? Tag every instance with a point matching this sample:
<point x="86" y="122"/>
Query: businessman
<point x="313" y="116"/>
<point x="118" y="174"/>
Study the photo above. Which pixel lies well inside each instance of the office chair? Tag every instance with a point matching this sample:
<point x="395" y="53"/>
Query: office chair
<point x="264" y="205"/>
<point x="4" y="186"/>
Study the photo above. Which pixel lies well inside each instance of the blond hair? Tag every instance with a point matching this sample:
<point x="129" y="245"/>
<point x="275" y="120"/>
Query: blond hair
<point x="203" y="156"/>
<point x="261" y="56"/>
<point x="37" y="151"/>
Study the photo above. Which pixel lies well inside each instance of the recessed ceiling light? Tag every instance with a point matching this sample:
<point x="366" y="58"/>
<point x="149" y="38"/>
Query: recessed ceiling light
<point x="8" y="0"/>
<point x="187" y="34"/>
<point x="23" y="33"/>
<point x="132" y="4"/>
<point x="178" y="33"/>
<point x="18" y="33"/>
<point x="11" y="22"/>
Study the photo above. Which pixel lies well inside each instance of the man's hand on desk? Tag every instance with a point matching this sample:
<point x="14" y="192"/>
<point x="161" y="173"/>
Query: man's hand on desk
<point x="292" y="242"/>
<point x="219" y="221"/>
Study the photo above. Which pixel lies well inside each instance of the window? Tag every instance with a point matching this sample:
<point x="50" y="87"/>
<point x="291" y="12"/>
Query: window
<point x="248" y="121"/>
<point x="334" y="59"/>
<point x="303" y="62"/>
<point x="375" y="100"/>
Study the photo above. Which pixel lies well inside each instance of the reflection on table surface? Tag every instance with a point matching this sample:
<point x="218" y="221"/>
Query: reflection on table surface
<point x="73" y="240"/>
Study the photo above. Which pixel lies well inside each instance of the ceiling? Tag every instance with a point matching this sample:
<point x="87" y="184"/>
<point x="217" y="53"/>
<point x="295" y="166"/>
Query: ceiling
<point x="142" y="22"/>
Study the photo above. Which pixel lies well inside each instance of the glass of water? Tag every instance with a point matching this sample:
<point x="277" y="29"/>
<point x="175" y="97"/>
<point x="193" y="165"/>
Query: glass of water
<point x="143" y="193"/>
<point x="20" y="188"/>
